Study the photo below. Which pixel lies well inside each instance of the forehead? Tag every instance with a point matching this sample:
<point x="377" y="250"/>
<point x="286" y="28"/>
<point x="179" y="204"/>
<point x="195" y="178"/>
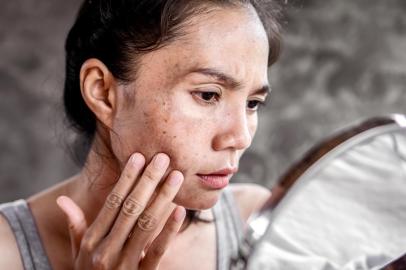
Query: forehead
<point x="232" y="40"/>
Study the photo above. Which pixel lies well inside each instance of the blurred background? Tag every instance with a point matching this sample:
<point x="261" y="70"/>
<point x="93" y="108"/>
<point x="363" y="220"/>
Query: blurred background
<point x="342" y="61"/>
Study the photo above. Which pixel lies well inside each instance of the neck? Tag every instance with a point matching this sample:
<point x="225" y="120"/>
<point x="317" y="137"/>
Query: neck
<point x="97" y="178"/>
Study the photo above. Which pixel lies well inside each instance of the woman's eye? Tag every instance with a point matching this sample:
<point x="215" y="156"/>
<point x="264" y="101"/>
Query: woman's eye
<point x="254" y="105"/>
<point x="208" y="97"/>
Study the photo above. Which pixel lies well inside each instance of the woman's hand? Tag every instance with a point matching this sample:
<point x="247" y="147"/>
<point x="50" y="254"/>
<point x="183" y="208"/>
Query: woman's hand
<point x="128" y="221"/>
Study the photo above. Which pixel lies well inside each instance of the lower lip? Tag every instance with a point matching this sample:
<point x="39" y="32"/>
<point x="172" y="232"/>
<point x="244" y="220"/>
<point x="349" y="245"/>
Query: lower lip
<point x="214" y="181"/>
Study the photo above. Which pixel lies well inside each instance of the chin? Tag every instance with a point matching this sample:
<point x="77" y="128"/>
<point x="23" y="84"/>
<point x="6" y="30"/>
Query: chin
<point x="202" y="200"/>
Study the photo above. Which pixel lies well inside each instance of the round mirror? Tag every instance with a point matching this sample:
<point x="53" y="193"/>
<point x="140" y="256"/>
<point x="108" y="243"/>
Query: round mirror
<point x="345" y="210"/>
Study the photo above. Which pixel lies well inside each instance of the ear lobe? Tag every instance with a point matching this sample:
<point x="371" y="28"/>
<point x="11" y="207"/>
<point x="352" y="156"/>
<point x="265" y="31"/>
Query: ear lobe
<point x="98" y="89"/>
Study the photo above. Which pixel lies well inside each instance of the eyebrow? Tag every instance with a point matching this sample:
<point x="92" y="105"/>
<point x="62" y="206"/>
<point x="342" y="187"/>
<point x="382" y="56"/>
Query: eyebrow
<point x="228" y="80"/>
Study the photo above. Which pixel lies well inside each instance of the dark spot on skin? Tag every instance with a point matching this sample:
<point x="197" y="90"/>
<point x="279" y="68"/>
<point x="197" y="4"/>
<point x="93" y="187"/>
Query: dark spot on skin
<point x="174" y="137"/>
<point x="163" y="132"/>
<point x="146" y="114"/>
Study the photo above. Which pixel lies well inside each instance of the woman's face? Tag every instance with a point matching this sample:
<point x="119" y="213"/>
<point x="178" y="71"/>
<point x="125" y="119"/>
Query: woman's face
<point x="196" y="100"/>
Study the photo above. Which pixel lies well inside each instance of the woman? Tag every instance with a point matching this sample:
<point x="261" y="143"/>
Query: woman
<point x="166" y="94"/>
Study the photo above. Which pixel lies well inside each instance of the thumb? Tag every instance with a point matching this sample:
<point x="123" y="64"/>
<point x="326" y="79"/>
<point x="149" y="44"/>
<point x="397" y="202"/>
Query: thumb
<point x="76" y="221"/>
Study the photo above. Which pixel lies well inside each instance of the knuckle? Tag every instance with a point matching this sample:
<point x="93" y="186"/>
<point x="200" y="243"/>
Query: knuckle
<point x="166" y="193"/>
<point x="103" y="258"/>
<point x="158" y="251"/>
<point x="132" y="207"/>
<point x="114" y="200"/>
<point x="100" y="261"/>
<point x="147" y="222"/>
<point x="149" y="175"/>
<point x="87" y="244"/>
<point x="127" y="176"/>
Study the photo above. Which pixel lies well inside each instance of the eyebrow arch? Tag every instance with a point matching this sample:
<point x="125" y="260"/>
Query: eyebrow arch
<point x="228" y="80"/>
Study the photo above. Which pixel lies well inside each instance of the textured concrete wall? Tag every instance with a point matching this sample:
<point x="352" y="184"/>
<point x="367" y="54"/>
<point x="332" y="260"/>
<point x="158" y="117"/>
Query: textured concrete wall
<point x="342" y="61"/>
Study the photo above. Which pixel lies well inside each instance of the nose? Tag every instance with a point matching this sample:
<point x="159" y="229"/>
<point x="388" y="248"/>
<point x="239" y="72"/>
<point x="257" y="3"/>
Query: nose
<point x="233" y="132"/>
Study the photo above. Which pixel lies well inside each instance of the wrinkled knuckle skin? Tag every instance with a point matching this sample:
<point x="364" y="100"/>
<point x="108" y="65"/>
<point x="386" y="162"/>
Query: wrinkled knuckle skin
<point x="114" y="201"/>
<point x="149" y="175"/>
<point x="147" y="222"/>
<point x="128" y="176"/>
<point x="132" y="207"/>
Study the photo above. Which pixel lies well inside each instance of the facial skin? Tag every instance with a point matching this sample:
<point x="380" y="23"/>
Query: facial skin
<point x="173" y="109"/>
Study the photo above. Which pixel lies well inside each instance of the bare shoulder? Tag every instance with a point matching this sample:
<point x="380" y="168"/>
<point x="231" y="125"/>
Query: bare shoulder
<point x="10" y="255"/>
<point x="250" y="198"/>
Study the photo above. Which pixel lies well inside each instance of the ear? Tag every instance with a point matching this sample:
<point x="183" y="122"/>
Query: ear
<point x="98" y="87"/>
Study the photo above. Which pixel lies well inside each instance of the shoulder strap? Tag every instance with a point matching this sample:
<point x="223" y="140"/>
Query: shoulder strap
<point x="234" y="212"/>
<point x="26" y="234"/>
<point x="229" y="230"/>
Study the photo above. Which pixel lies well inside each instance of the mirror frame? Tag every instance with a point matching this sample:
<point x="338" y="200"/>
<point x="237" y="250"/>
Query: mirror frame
<point x="298" y="168"/>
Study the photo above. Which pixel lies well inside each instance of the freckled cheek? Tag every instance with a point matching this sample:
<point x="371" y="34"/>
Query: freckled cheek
<point x="185" y="140"/>
<point x="135" y="130"/>
<point x="180" y="145"/>
<point x="170" y="129"/>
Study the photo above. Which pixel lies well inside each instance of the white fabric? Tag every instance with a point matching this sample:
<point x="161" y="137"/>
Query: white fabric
<point x="351" y="215"/>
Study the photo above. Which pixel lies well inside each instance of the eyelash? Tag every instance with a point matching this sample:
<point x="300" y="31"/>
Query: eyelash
<point x="199" y="94"/>
<point x="259" y="104"/>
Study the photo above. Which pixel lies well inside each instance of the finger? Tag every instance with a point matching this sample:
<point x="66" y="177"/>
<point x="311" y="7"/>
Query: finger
<point x="137" y="200"/>
<point x="107" y="215"/>
<point x="150" y="219"/>
<point x="161" y="243"/>
<point x="76" y="221"/>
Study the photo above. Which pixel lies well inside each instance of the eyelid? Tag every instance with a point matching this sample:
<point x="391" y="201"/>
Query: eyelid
<point x="209" y="88"/>
<point x="200" y="91"/>
<point x="262" y="102"/>
<point x="262" y="99"/>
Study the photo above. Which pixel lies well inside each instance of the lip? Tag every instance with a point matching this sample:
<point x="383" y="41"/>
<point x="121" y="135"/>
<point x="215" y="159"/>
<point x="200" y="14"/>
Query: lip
<point x="218" y="179"/>
<point x="225" y="171"/>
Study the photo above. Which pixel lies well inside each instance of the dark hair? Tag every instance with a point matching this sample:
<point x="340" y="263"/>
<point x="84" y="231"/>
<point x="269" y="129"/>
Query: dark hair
<point x="117" y="32"/>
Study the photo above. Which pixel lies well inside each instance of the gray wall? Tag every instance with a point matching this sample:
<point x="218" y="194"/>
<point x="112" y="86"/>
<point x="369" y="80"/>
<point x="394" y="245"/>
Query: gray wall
<point x="342" y="60"/>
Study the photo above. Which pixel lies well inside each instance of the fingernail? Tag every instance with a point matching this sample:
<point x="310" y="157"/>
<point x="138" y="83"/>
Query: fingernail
<point x="161" y="161"/>
<point x="58" y="201"/>
<point x="175" y="179"/>
<point x="180" y="214"/>
<point x="137" y="159"/>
